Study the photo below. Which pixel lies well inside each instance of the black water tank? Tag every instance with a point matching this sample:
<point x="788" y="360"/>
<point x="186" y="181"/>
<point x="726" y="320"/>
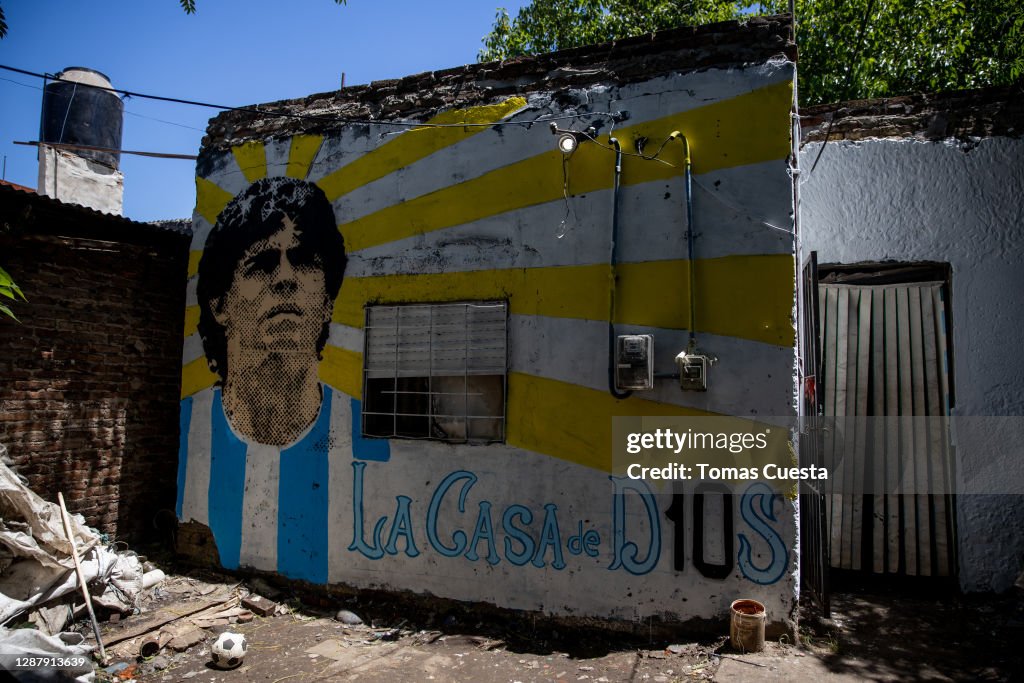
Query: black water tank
<point x="74" y="113"/>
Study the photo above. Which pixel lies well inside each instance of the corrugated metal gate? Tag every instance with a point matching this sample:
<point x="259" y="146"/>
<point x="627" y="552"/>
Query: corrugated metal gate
<point x="885" y="352"/>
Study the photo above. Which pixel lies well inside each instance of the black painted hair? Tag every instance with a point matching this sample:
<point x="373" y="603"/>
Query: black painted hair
<point x="255" y="214"/>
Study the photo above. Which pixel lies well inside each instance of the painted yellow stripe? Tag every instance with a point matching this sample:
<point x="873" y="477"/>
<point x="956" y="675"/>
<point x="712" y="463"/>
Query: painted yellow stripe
<point x="743" y="130"/>
<point x="210" y="199"/>
<point x="196" y="376"/>
<point x="193" y="261"/>
<point x="563" y="292"/>
<point x="301" y="154"/>
<point x="343" y="369"/>
<point x="191" y="320"/>
<point x="414" y="145"/>
<point x="572" y="422"/>
<point x="340" y="368"/>
<point x="750" y="297"/>
<point x="252" y="159"/>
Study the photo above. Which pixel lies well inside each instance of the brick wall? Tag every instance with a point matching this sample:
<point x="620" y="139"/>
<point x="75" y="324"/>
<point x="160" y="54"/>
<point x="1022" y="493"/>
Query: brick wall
<point x="967" y="115"/>
<point x="89" y="381"/>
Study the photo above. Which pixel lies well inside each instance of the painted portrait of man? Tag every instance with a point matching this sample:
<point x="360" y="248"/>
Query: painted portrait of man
<point x="270" y="271"/>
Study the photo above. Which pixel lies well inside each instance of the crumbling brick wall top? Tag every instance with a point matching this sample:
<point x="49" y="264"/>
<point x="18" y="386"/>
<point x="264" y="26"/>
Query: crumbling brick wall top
<point x="725" y="44"/>
<point x="963" y="115"/>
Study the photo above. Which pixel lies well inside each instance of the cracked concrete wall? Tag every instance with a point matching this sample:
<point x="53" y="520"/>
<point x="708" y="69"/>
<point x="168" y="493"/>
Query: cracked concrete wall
<point x="927" y="187"/>
<point x="494" y="212"/>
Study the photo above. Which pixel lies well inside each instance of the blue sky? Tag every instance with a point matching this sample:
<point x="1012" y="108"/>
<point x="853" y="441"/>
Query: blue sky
<point x="234" y="52"/>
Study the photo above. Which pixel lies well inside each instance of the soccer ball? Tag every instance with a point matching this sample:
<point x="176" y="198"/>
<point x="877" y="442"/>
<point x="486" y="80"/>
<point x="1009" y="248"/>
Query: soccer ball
<point x="228" y="650"/>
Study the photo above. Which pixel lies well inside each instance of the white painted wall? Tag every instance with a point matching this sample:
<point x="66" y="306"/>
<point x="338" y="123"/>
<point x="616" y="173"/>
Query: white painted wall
<point x="960" y="203"/>
<point x="75" y="180"/>
<point x="741" y="210"/>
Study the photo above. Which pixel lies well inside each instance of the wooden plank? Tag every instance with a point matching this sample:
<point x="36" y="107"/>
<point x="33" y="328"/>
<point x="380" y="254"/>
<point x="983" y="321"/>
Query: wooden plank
<point x="921" y="455"/>
<point x="935" y="426"/>
<point x="892" y="435"/>
<point x="165" y="618"/>
<point x="941" y="337"/>
<point x="830" y="296"/>
<point x="842" y="386"/>
<point x="875" y="464"/>
<point x="832" y="451"/>
<point x="859" y="408"/>
<point x="851" y="522"/>
<point x="908" y="508"/>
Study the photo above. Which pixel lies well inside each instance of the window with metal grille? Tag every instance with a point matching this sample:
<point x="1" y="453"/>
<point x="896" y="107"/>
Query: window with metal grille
<point x="436" y="371"/>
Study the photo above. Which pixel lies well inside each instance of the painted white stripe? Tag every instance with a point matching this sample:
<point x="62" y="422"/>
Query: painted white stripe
<point x="650" y="229"/>
<point x="192" y="348"/>
<point x="277" y="152"/>
<point x="195" y="502"/>
<point x="259" y="507"/>
<point x="345" y="337"/>
<point x="750" y="378"/>
<point x="190" y="291"/>
<point x="339" y="505"/>
<point x="200" y="231"/>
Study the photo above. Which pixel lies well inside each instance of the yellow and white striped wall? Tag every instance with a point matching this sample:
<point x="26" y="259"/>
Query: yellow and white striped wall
<point x="486" y="213"/>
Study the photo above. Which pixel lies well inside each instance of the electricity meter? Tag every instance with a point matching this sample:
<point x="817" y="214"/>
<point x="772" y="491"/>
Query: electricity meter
<point x="634" y="362"/>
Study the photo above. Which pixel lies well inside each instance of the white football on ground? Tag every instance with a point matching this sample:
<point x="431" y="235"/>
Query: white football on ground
<point x="228" y="650"/>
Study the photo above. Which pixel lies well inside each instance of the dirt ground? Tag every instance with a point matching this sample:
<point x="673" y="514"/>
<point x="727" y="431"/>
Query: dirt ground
<point x="875" y="634"/>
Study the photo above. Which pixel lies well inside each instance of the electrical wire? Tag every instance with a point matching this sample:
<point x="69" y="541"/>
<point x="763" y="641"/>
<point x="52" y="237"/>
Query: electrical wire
<point x="563" y="227"/>
<point x="612" y="277"/>
<point x="824" y="142"/>
<point x="67" y="112"/>
<point x="312" y="117"/>
<point x="654" y="157"/>
<point x="858" y="46"/>
<point x="169" y="123"/>
<point x="130" y="113"/>
<point x="24" y="85"/>
<point x="738" y="209"/>
<point x="628" y="154"/>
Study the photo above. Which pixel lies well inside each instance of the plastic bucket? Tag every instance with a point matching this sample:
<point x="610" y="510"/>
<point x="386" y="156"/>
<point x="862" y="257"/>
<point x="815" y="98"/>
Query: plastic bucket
<point x="746" y="629"/>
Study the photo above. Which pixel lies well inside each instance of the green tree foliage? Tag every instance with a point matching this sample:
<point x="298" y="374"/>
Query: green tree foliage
<point x="9" y="289"/>
<point x="847" y="49"/>
<point x="878" y="48"/>
<point x="547" y="25"/>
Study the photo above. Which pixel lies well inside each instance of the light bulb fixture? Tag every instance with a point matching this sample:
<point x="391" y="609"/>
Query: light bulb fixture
<point x="569" y="140"/>
<point x="567" y="143"/>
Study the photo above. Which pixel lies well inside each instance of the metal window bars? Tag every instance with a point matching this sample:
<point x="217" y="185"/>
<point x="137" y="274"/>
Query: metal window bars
<point x="459" y="350"/>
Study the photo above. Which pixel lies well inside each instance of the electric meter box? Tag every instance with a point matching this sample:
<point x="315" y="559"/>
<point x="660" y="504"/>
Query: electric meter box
<point x="634" y="362"/>
<point x="693" y="371"/>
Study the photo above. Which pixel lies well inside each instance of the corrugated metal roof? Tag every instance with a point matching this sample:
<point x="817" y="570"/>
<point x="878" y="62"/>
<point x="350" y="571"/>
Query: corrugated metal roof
<point x="38" y="214"/>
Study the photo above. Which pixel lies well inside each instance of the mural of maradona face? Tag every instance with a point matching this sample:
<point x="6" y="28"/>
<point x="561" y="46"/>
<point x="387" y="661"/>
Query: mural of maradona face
<point x="271" y="269"/>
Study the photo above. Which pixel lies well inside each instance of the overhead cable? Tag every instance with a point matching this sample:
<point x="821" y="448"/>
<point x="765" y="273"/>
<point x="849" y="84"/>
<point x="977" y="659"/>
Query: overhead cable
<point x="309" y="117"/>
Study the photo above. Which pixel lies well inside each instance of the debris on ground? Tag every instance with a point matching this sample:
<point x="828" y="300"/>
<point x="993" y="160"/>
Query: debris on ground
<point x="161" y="626"/>
<point x="347" y="617"/>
